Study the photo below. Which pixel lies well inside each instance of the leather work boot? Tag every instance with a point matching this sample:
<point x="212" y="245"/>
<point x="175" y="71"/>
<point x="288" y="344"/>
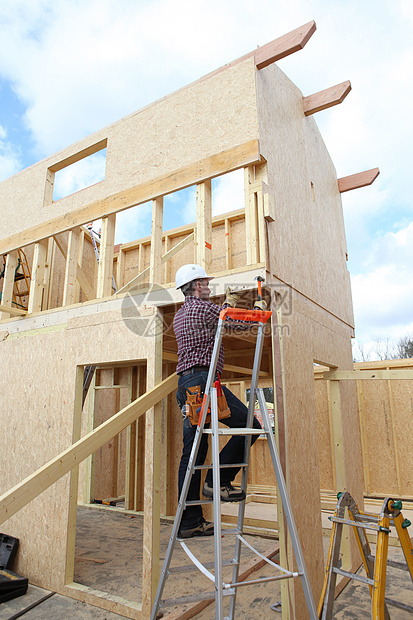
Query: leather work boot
<point x="227" y="492"/>
<point x="202" y="529"/>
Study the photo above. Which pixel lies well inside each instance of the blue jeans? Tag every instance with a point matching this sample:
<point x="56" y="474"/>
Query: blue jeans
<point x="232" y="452"/>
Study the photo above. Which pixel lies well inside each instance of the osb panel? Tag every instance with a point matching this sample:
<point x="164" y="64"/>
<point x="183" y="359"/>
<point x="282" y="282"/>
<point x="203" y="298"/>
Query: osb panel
<point x="325" y="442"/>
<point x="205" y="118"/>
<point x="238" y="244"/>
<point x="379" y="434"/>
<point x="314" y="334"/>
<point x="38" y="402"/>
<point x="307" y="238"/>
<point x="106" y="458"/>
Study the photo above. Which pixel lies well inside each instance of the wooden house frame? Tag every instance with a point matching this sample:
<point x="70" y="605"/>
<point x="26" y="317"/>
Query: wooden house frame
<point x="247" y="115"/>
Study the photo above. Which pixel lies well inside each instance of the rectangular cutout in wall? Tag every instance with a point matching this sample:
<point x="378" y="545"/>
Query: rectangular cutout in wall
<point x="81" y="170"/>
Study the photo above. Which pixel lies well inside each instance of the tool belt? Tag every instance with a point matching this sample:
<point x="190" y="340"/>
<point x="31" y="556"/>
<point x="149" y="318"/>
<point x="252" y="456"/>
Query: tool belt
<point x="194" y="398"/>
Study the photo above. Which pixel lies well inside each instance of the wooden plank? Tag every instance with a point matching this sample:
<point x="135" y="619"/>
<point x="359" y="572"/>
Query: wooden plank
<point x="155" y="272"/>
<point x="354" y="181"/>
<point x="173" y="357"/>
<point x="74" y="479"/>
<point x="11" y="311"/>
<point x="120" y="267"/>
<point x="105" y="269"/>
<point x="69" y="289"/>
<point x="20" y="495"/>
<point x="8" y="285"/>
<point x="284" y="46"/>
<point x="352" y="375"/>
<point x="269" y="203"/>
<point x="90" y="150"/>
<point x="210" y="167"/>
<point x="152" y="512"/>
<point x="251" y="223"/>
<point x="80" y="276"/>
<point x="204" y="225"/>
<point x="167" y="266"/>
<point x="37" y="282"/>
<point x="363" y="437"/>
<point x="326" y="98"/>
<point x="140" y="277"/>
<point x="228" y="246"/>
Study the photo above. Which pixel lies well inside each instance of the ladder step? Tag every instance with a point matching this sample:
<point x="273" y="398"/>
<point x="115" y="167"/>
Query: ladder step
<point x="193" y="598"/>
<point x="237" y="431"/>
<point x="198" y="502"/>
<point x="222" y="466"/>
<point x="187" y="568"/>
<point x="354" y="576"/>
<point x="364" y="526"/>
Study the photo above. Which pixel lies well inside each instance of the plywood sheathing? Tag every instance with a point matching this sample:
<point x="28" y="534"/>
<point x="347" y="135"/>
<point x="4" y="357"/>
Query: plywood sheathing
<point x="45" y="427"/>
<point x="139" y="146"/>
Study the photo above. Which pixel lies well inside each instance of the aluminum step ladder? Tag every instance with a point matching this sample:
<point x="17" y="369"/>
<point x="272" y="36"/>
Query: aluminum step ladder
<point x="222" y="589"/>
<point x="375" y="566"/>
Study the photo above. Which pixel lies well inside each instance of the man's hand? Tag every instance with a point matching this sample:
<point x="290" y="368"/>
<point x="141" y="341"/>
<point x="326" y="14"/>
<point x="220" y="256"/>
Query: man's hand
<point x="260" y="304"/>
<point x="231" y="298"/>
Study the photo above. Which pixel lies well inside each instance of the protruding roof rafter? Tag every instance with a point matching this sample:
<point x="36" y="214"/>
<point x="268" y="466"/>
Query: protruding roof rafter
<point x="354" y="181"/>
<point x="326" y="98"/>
<point x="284" y="46"/>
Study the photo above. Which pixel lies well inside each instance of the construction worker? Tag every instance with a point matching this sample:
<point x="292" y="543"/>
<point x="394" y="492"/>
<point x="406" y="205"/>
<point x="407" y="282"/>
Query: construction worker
<point x="195" y="325"/>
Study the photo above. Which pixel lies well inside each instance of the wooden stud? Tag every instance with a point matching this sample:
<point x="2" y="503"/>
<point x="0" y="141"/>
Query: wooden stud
<point x="105" y="269"/>
<point x="120" y="268"/>
<point x="8" y="284"/>
<point x="130" y="468"/>
<point x="80" y="276"/>
<point x="89" y="471"/>
<point x="251" y="223"/>
<point x="204" y="225"/>
<point x="151" y="522"/>
<point x="284" y="46"/>
<point x="354" y="181"/>
<point x="79" y="262"/>
<point x="215" y="165"/>
<point x="352" y="375"/>
<point x="37" y="283"/>
<point x="167" y="265"/>
<point x="228" y="247"/>
<point x="74" y="478"/>
<point x="19" y="496"/>
<point x="69" y="289"/>
<point x="326" y="98"/>
<point x="155" y="272"/>
<point x="269" y="203"/>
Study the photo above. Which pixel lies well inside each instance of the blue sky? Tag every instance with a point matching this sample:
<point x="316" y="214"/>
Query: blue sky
<point x="71" y="67"/>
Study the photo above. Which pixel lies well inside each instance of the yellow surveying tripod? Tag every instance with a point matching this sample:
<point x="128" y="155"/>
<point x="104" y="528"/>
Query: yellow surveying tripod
<point x="375" y="567"/>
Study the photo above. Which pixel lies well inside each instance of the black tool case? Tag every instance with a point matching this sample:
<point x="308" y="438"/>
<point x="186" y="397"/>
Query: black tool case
<point x="11" y="585"/>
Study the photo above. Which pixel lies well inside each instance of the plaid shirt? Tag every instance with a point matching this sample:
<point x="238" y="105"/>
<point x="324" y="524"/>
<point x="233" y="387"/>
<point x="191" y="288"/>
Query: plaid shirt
<point x="195" y="325"/>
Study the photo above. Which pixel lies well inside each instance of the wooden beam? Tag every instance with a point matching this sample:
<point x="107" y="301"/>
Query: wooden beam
<point x="215" y="165"/>
<point x="354" y="181"/>
<point x="152" y="488"/>
<point x="10" y="310"/>
<point x="37" y="281"/>
<point x="105" y="269"/>
<point x="155" y="271"/>
<point x="90" y="150"/>
<point x="19" y="496"/>
<point x="352" y="375"/>
<point x="80" y="276"/>
<point x="204" y="225"/>
<point x="228" y="246"/>
<point x="251" y="218"/>
<point x="284" y="46"/>
<point x="120" y="267"/>
<point x="326" y="98"/>
<point x="140" y="277"/>
<point x="173" y="357"/>
<point x="8" y="284"/>
<point x="69" y="289"/>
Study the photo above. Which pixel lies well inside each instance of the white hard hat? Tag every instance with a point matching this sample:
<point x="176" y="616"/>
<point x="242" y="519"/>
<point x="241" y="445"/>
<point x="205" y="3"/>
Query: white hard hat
<point x="190" y="272"/>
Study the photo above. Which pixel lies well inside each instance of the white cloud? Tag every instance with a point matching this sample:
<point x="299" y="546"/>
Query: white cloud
<point x="133" y="223"/>
<point x="9" y="156"/>
<point x="383" y="296"/>
<point x="228" y="193"/>
<point x="79" y="175"/>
